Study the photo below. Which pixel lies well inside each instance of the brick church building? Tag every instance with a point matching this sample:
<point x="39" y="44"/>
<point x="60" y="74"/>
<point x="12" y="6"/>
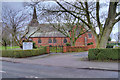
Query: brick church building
<point x="45" y="34"/>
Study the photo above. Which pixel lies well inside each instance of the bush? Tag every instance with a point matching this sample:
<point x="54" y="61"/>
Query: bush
<point x="50" y="45"/>
<point x="109" y="45"/>
<point x="34" y="45"/>
<point x="23" y="53"/>
<point x="104" y="54"/>
<point x="90" y="43"/>
<point x="68" y="44"/>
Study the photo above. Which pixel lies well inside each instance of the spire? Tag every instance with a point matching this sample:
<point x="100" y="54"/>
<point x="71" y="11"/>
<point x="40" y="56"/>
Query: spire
<point x="34" y="14"/>
<point x="34" y="22"/>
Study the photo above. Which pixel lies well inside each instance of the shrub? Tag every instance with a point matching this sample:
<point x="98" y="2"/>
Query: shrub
<point x="34" y="45"/>
<point x="68" y="44"/>
<point x="50" y="45"/>
<point x="90" y="43"/>
<point x="109" y="45"/>
<point x="118" y="43"/>
<point x="104" y="54"/>
<point x="23" y="53"/>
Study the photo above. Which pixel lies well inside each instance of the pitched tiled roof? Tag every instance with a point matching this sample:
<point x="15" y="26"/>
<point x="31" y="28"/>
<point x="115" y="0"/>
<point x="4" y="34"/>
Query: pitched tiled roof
<point x="48" y="34"/>
<point x="45" y="30"/>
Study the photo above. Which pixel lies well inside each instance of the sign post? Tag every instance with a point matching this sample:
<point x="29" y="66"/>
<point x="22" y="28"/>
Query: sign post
<point x="27" y="45"/>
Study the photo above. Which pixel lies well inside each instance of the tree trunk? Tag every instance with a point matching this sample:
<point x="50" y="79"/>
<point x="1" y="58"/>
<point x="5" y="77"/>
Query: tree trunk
<point x="72" y="42"/>
<point x="101" y="42"/>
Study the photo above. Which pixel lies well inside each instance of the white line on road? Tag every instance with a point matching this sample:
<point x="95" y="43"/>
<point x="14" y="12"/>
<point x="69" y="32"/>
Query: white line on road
<point x="2" y="72"/>
<point x="30" y="77"/>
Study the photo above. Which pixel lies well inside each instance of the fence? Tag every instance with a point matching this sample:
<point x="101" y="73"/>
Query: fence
<point x="72" y="48"/>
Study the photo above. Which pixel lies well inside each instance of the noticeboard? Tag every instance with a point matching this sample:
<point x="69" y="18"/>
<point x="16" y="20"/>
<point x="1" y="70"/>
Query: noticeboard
<point x="27" y="45"/>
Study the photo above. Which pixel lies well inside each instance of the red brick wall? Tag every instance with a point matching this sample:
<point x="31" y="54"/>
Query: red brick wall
<point x="80" y="41"/>
<point x="91" y="40"/>
<point x="45" y="41"/>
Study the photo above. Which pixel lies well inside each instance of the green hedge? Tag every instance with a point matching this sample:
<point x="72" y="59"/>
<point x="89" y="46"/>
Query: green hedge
<point x="23" y="53"/>
<point x="104" y="54"/>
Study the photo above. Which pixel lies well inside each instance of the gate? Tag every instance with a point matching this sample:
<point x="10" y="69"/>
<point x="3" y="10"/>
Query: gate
<point x="56" y="49"/>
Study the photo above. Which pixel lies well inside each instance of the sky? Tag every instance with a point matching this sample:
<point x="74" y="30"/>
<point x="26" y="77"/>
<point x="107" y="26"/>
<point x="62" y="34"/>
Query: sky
<point x="19" y="5"/>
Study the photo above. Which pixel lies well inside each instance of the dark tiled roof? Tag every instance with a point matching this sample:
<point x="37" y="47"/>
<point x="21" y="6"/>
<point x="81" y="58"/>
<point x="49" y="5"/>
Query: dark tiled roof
<point x="46" y="30"/>
<point x="48" y="34"/>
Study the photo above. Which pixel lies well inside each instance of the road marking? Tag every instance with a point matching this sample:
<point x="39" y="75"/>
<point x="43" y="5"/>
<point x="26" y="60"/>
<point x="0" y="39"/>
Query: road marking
<point x="36" y="77"/>
<point x="30" y="77"/>
<point x="2" y="72"/>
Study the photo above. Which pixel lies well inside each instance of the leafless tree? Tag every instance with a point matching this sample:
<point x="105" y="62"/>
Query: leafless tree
<point x="68" y="26"/>
<point x="89" y="14"/>
<point x="5" y="38"/>
<point x="14" y="21"/>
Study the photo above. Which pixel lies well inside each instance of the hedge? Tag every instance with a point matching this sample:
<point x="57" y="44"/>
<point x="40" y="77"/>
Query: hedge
<point x="104" y="54"/>
<point x="23" y="53"/>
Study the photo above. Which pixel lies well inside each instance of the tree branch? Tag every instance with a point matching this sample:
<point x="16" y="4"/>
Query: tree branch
<point x="97" y="14"/>
<point x="33" y="33"/>
<point x="75" y="6"/>
<point x="73" y="14"/>
<point x="117" y="20"/>
<point x="87" y="13"/>
<point x="88" y="24"/>
<point x="117" y="14"/>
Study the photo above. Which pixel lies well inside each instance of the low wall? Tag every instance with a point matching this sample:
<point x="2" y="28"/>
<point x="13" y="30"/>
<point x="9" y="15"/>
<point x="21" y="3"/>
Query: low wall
<point x="77" y="48"/>
<point x="73" y="48"/>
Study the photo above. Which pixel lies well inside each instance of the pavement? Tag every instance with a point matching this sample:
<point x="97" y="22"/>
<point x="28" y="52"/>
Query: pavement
<point x="68" y="60"/>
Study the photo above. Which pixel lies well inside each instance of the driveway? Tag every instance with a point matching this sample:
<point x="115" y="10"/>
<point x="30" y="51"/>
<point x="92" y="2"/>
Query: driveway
<point x="73" y="60"/>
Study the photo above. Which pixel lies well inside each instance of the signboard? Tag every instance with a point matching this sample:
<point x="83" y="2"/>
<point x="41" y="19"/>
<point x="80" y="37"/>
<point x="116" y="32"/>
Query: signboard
<point x="27" y="45"/>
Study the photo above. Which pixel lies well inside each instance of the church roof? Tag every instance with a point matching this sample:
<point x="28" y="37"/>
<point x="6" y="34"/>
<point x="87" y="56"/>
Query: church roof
<point x="48" y="34"/>
<point x="45" y="30"/>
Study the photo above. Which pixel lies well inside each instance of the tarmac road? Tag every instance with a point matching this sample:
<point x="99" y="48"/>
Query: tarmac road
<point x="23" y="70"/>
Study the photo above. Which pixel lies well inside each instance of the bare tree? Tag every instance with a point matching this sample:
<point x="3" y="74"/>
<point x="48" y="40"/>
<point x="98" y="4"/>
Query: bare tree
<point x="69" y="27"/>
<point x="14" y="21"/>
<point x="89" y="14"/>
<point x="5" y="38"/>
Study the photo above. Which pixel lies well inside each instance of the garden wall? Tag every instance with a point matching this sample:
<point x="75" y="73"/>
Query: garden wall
<point x="77" y="48"/>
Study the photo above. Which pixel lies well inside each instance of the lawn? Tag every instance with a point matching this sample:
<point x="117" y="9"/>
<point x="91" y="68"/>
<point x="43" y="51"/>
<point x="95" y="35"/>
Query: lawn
<point x="8" y="47"/>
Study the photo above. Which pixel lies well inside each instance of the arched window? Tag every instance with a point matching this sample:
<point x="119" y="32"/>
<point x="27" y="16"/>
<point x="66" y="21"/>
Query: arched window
<point x="50" y="40"/>
<point x="65" y="40"/>
<point x="54" y="40"/>
<point x="39" y="41"/>
<point x="89" y="35"/>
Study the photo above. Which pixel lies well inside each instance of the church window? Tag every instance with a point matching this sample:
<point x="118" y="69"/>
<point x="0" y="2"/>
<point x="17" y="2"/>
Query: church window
<point x="39" y="41"/>
<point x="50" y="40"/>
<point x="65" y="40"/>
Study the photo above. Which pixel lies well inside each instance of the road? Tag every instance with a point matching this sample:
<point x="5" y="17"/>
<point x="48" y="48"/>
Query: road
<point x="23" y="70"/>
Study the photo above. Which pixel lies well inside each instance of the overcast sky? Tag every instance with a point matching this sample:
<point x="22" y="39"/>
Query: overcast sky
<point x="19" y="5"/>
